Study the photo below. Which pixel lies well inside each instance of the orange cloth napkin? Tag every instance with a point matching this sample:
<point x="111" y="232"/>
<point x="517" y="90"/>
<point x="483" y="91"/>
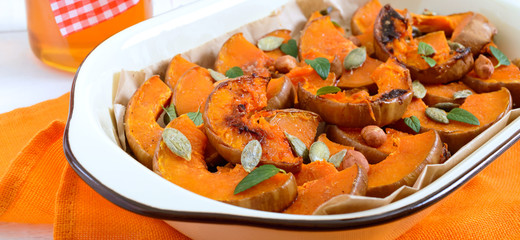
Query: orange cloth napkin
<point x="38" y="186"/>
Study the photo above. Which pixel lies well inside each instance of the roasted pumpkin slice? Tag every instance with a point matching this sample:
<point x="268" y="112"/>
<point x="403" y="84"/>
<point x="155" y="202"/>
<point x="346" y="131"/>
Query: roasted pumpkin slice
<point x="281" y="33"/>
<point x="238" y="52"/>
<point x="299" y="123"/>
<point x="357" y="108"/>
<point x="352" y="137"/>
<point x="191" y="90"/>
<point x="280" y="93"/>
<point x="393" y="35"/>
<point x="314" y="170"/>
<point x="404" y="165"/>
<point x="442" y="93"/>
<point x="273" y="194"/>
<point x="503" y="76"/>
<point x="457" y="134"/>
<point x="312" y="194"/>
<point x="360" y="77"/>
<point x="177" y="67"/>
<point x="362" y="24"/>
<point x="433" y="23"/>
<point x="233" y="116"/>
<point x="474" y="31"/>
<point x="351" y="156"/>
<point x="141" y="128"/>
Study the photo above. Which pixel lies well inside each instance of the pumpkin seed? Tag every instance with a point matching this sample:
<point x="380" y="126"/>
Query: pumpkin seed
<point x="355" y="58"/>
<point x="337" y="158"/>
<point x="455" y="46"/>
<point x="437" y="114"/>
<point x="177" y="142"/>
<point x="216" y="75"/>
<point x="429" y="13"/>
<point x="446" y="106"/>
<point x="419" y="91"/>
<point x="462" y="94"/>
<point x="319" y="152"/>
<point x="270" y="43"/>
<point x="251" y="155"/>
<point x="297" y="145"/>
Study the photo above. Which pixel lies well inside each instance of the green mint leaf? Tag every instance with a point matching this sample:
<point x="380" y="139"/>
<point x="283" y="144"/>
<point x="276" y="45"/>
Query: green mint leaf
<point x="255" y="177"/>
<point x="461" y="115"/>
<point x="500" y="56"/>
<point x="425" y="49"/>
<point x="321" y="66"/>
<point x="234" y="72"/>
<point x="414" y="123"/>
<point x="290" y="48"/>
<point x="170" y="114"/>
<point x="327" y="90"/>
<point x="335" y="23"/>
<point x="196" y="117"/>
<point x="430" y="61"/>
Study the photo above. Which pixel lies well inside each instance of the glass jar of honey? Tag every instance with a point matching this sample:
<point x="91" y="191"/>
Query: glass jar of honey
<point x="63" y="32"/>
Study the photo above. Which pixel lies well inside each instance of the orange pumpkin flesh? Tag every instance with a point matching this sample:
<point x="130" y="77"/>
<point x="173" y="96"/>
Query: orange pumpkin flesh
<point x="314" y="170"/>
<point x="177" y="67"/>
<point x="233" y="116"/>
<point x="314" y="193"/>
<point x="434" y="23"/>
<point x="273" y="194"/>
<point x="280" y="93"/>
<point x="404" y="165"/>
<point x="362" y="24"/>
<point x="299" y="123"/>
<point x="439" y="93"/>
<point x="238" y="52"/>
<point x="358" y="108"/>
<point x="191" y="90"/>
<point x="360" y="77"/>
<point x="457" y="134"/>
<point x="141" y="128"/>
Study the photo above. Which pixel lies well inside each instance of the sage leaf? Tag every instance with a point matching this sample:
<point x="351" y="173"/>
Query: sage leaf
<point x="256" y="176"/>
<point x="337" y="158"/>
<point x="335" y="24"/>
<point x="414" y="123"/>
<point x="355" y="58"/>
<point x="319" y="152"/>
<point x="170" y="114"/>
<point x="290" y="48"/>
<point x="251" y="155"/>
<point x="419" y="91"/>
<point x="431" y="62"/>
<point x="321" y="66"/>
<point x="461" y="115"/>
<point x="425" y="49"/>
<point x="327" y="90"/>
<point x="269" y="43"/>
<point x="437" y="115"/>
<point x="298" y="146"/>
<point x="177" y="142"/>
<point x="500" y="56"/>
<point x="196" y="117"/>
<point x="216" y="75"/>
<point x="462" y="94"/>
<point x="234" y="72"/>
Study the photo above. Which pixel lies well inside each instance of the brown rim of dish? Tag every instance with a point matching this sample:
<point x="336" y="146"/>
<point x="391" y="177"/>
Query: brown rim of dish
<point x="296" y="225"/>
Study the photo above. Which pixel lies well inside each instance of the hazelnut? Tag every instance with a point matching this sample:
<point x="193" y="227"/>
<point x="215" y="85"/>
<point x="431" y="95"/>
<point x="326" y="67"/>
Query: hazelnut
<point x="484" y="67"/>
<point x="352" y="157"/>
<point x="355" y="40"/>
<point x="373" y="135"/>
<point x="336" y="66"/>
<point x="285" y="64"/>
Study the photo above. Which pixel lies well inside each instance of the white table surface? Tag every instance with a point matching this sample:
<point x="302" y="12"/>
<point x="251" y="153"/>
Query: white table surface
<point x="25" y="81"/>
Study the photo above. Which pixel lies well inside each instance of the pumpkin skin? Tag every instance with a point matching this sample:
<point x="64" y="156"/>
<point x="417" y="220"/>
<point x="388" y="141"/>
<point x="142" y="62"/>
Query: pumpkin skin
<point x="273" y="194"/>
<point x="451" y="68"/>
<point x="280" y="93"/>
<point x="141" y="128"/>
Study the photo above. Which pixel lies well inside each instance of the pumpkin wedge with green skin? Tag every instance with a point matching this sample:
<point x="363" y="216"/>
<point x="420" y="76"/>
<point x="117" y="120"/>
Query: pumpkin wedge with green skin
<point x="238" y="52"/>
<point x="234" y="115"/>
<point x="141" y="128"/>
<point x="352" y="137"/>
<point x="314" y="193"/>
<point x="457" y="134"/>
<point x="393" y="37"/>
<point x="404" y="165"/>
<point x="503" y="76"/>
<point x="273" y="194"/>
<point x="357" y="108"/>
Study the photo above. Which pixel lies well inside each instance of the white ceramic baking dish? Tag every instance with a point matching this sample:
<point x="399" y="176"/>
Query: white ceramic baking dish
<point x="91" y="148"/>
